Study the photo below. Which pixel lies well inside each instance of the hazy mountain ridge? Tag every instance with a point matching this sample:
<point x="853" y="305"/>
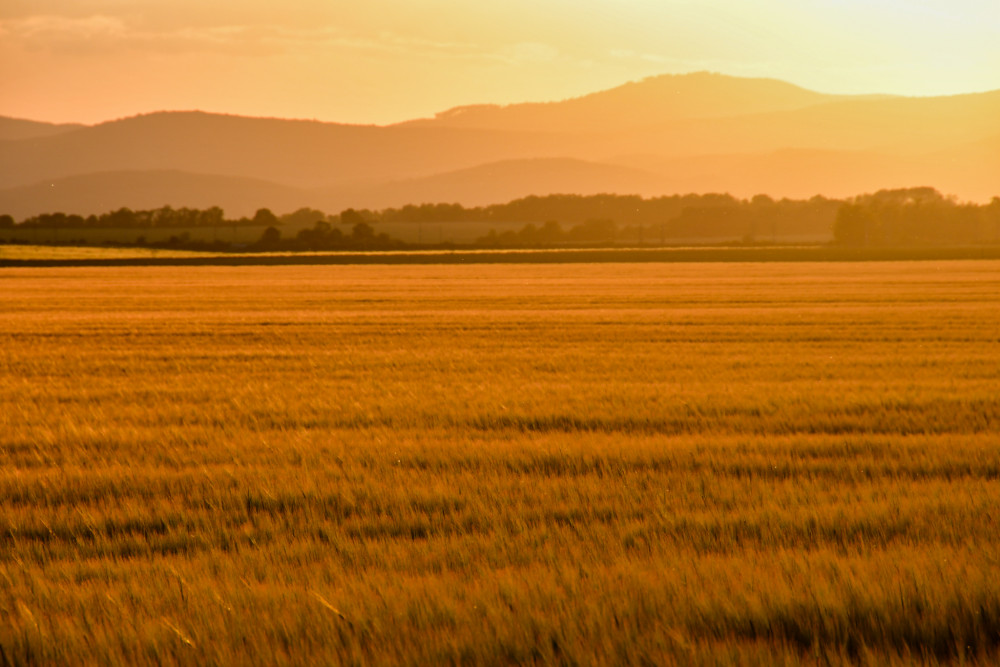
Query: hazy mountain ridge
<point x="295" y="153"/>
<point x="16" y="129"/>
<point x="96" y="193"/>
<point x="697" y="133"/>
<point x="637" y="104"/>
<point x="506" y="180"/>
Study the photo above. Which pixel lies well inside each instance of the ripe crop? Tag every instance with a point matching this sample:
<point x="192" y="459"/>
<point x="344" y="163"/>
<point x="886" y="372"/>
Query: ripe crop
<point x="587" y="463"/>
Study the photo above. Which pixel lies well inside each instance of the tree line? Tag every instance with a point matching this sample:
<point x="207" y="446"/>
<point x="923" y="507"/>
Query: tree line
<point x="908" y="216"/>
<point x="126" y="218"/>
<point x="914" y="216"/>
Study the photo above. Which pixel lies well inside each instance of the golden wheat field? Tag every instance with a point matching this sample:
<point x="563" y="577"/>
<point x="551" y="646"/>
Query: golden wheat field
<point x="787" y="463"/>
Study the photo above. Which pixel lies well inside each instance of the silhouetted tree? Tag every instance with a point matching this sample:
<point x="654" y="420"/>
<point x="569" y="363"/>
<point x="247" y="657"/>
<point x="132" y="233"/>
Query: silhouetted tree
<point x="263" y="216"/>
<point x="853" y="225"/>
<point x="351" y="218"/>
<point x="211" y="217"/>
<point x="271" y="237"/>
<point x="362" y="231"/>
<point x="303" y="216"/>
<point x="123" y="217"/>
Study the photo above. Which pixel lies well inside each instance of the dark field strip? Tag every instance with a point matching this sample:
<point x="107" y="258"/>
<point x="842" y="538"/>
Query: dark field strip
<point x="574" y="464"/>
<point x="562" y="256"/>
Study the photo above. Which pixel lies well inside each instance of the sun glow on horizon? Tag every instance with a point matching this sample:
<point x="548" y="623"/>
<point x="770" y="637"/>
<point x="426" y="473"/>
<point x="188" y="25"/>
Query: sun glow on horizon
<point x="390" y="60"/>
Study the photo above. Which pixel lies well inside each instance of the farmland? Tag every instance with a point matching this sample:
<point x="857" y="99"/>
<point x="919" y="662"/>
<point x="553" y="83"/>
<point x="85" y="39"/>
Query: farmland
<point x="698" y="463"/>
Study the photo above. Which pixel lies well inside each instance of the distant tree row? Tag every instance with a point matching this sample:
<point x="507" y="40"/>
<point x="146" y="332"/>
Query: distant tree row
<point x="885" y="218"/>
<point x="565" y="209"/>
<point x="127" y="218"/>
<point x="165" y="217"/>
<point x="908" y="216"/>
<point x="324" y="236"/>
<point x="626" y="210"/>
<point x="914" y="216"/>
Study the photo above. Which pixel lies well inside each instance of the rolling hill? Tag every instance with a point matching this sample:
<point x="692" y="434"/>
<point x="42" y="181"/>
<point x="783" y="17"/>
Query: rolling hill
<point x="503" y="181"/>
<point x="13" y="129"/>
<point x="92" y="194"/>
<point x="663" y="135"/>
<point x="637" y="104"/>
<point x="291" y="152"/>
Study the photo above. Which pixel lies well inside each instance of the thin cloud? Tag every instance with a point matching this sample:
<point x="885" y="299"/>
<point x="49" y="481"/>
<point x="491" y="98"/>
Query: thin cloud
<point x="103" y="34"/>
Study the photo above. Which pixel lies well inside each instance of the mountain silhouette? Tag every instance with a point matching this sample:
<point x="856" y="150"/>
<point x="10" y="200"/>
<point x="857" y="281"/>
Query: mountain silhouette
<point x="638" y="104"/>
<point x="663" y="135"/>
<point x="93" y="194"/>
<point x="291" y="152"/>
<point x="13" y="129"/>
<point x="500" y="182"/>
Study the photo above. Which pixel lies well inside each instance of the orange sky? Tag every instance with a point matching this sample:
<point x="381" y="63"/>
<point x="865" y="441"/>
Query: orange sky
<point x="381" y="61"/>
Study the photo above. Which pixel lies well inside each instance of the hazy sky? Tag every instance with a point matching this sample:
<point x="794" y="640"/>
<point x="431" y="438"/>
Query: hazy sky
<point x="378" y="61"/>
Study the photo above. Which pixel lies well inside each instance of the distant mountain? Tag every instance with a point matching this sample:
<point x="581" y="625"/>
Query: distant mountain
<point x="141" y="190"/>
<point x="663" y="135"/>
<point x="290" y="152"/>
<point x="910" y="126"/>
<point x="13" y="129"/>
<point x="638" y="104"/>
<point x="507" y="180"/>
